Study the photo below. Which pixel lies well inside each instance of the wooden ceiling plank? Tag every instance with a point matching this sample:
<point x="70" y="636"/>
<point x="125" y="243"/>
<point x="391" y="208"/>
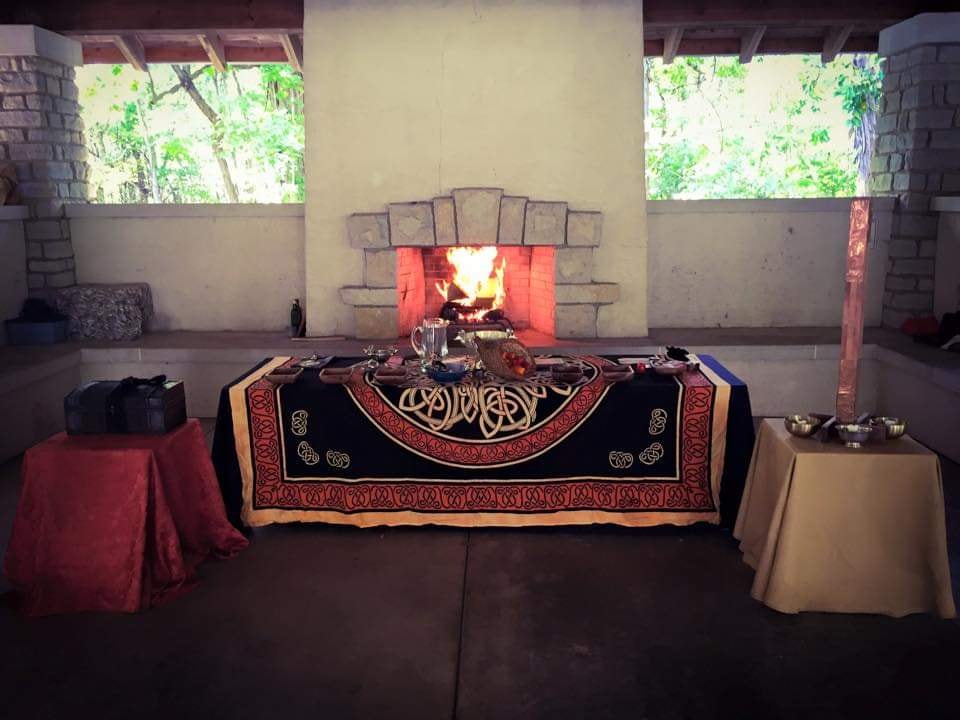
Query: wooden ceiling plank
<point x="293" y="48"/>
<point x="245" y="54"/>
<point x="132" y="50"/>
<point x="750" y="41"/>
<point x="834" y="41"/>
<point x="671" y="45"/>
<point x="212" y="45"/>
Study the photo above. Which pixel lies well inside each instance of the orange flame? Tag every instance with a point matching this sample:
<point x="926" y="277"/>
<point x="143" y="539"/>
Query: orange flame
<point x="477" y="276"/>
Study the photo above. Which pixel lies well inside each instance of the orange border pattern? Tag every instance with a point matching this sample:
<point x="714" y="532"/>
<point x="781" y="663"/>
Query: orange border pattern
<point x="692" y="494"/>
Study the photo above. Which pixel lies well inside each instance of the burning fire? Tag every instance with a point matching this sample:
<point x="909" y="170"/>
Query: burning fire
<point x="478" y="278"/>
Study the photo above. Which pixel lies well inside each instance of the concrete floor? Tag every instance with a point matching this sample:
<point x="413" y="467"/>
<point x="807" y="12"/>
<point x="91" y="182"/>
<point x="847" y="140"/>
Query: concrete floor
<point x="595" y="622"/>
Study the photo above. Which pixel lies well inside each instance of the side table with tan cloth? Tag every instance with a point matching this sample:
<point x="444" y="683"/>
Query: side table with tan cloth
<point x="836" y="529"/>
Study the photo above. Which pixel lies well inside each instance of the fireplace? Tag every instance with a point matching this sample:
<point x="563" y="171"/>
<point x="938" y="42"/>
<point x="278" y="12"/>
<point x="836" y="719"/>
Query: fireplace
<point x="535" y="261"/>
<point x="477" y="287"/>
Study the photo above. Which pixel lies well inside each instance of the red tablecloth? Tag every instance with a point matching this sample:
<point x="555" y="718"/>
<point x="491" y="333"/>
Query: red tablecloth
<point x="114" y="522"/>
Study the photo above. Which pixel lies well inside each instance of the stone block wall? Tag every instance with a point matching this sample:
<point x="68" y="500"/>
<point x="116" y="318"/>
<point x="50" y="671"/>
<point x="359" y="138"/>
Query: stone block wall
<point x="917" y="157"/>
<point x="41" y="133"/>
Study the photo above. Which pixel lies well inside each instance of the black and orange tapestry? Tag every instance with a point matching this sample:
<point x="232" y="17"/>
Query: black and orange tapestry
<point x="481" y="451"/>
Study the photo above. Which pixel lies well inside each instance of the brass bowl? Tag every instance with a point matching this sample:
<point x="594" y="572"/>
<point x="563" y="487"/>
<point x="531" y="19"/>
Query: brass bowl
<point x="854" y="435"/>
<point x="894" y="427"/>
<point x="801" y="425"/>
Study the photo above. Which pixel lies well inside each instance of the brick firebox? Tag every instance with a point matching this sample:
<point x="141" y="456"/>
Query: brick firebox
<point x="529" y="285"/>
<point x="551" y="248"/>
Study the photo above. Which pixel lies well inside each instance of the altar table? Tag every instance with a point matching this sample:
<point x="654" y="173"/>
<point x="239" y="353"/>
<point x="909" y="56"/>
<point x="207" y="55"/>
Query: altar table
<point x="654" y="450"/>
<point x="836" y="529"/>
<point x="115" y="522"/>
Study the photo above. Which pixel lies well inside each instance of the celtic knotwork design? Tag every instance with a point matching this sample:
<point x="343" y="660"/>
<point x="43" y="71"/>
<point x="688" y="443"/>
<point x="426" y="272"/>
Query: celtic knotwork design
<point x="298" y="423"/>
<point x="307" y="453"/>
<point x="338" y="459"/>
<point x="658" y="421"/>
<point x="651" y="455"/>
<point x="495" y="405"/>
<point x="620" y="460"/>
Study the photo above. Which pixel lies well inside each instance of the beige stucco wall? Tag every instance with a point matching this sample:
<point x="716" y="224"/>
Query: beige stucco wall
<point x="730" y="263"/>
<point x="408" y="100"/>
<point x="209" y="267"/>
<point x="13" y="266"/>
<point x="755" y="263"/>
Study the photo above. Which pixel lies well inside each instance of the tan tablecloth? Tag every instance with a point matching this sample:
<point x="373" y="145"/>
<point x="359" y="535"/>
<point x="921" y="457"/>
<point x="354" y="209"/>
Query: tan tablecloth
<point x="834" y="529"/>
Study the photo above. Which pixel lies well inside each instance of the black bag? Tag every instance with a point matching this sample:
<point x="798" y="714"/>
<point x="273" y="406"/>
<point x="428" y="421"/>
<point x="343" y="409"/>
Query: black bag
<point x="130" y="406"/>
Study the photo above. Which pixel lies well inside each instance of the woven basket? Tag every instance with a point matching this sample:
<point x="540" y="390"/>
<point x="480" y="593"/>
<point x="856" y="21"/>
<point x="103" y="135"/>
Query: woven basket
<point x="491" y="352"/>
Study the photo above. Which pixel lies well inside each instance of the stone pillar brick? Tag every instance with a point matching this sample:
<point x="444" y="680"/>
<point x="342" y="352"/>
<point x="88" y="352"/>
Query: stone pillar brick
<point x="916" y="157"/>
<point x="380" y="268"/>
<point x="411" y="223"/>
<point x="576" y="321"/>
<point x="478" y="215"/>
<point x="42" y="134"/>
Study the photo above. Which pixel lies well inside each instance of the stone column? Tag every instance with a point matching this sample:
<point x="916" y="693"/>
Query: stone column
<point x="42" y="134"/>
<point x="917" y="152"/>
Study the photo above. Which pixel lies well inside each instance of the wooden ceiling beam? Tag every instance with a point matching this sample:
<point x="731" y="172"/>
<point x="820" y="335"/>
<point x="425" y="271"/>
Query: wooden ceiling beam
<point x="293" y="49"/>
<point x="671" y="44"/>
<point x="132" y="51"/>
<point x="113" y="16"/>
<point x="750" y="41"/>
<point x="653" y="47"/>
<point x="247" y="54"/>
<point x="834" y="41"/>
<point x="212" y="45"/>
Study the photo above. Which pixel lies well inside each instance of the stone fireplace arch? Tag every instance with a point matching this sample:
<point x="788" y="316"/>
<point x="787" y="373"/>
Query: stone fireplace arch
<point x="554" y="243"/>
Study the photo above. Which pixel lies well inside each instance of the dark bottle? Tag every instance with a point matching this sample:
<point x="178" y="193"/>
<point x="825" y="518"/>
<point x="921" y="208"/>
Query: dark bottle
<point x="296" y="318"/>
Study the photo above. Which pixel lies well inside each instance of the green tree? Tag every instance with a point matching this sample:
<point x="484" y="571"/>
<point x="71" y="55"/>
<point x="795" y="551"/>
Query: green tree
<point x="189" y="134"/>
<point x="720" y="129"/>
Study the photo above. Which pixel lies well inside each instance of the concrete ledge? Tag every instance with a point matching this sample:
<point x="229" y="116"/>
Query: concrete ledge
<point x="776" y="205"/>
<point x="922" y="29"/>
<point x="33" y="41"/>
<point x="231" y="210"/>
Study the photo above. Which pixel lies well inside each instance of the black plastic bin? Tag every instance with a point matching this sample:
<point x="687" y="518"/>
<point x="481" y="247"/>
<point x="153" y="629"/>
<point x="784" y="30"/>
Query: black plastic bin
<point x="27" y="332"/>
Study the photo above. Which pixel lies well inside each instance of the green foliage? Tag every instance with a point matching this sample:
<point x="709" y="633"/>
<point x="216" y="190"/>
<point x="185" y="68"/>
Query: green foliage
<point x="150" y="142"/>
<point x="720" y="129"/>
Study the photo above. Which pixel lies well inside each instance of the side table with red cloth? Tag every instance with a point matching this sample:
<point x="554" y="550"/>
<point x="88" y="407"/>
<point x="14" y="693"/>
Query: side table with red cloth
<point x="115" y="522"/>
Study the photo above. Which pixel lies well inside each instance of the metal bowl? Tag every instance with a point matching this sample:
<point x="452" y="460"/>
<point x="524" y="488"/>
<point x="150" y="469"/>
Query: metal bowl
<point x="801" y="425"/>
<point x="854" y="435"/>
<point x="894" y="427"/>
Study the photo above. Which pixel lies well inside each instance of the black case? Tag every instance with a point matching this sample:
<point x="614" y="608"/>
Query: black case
<point x="130" y="406"/>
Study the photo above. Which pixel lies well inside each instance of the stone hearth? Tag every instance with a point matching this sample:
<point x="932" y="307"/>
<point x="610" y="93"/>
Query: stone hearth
<point x="475" y="216"/>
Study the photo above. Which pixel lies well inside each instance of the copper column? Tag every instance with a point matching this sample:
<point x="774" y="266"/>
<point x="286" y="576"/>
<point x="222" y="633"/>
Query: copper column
<point x="851" y="339"/>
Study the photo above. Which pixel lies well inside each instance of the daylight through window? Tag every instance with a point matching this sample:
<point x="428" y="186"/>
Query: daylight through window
<point x="780" y="126"/>
<point x="189" y="134"/>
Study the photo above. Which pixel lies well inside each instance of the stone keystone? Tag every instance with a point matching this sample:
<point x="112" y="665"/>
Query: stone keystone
<point x="478" y="215"/>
